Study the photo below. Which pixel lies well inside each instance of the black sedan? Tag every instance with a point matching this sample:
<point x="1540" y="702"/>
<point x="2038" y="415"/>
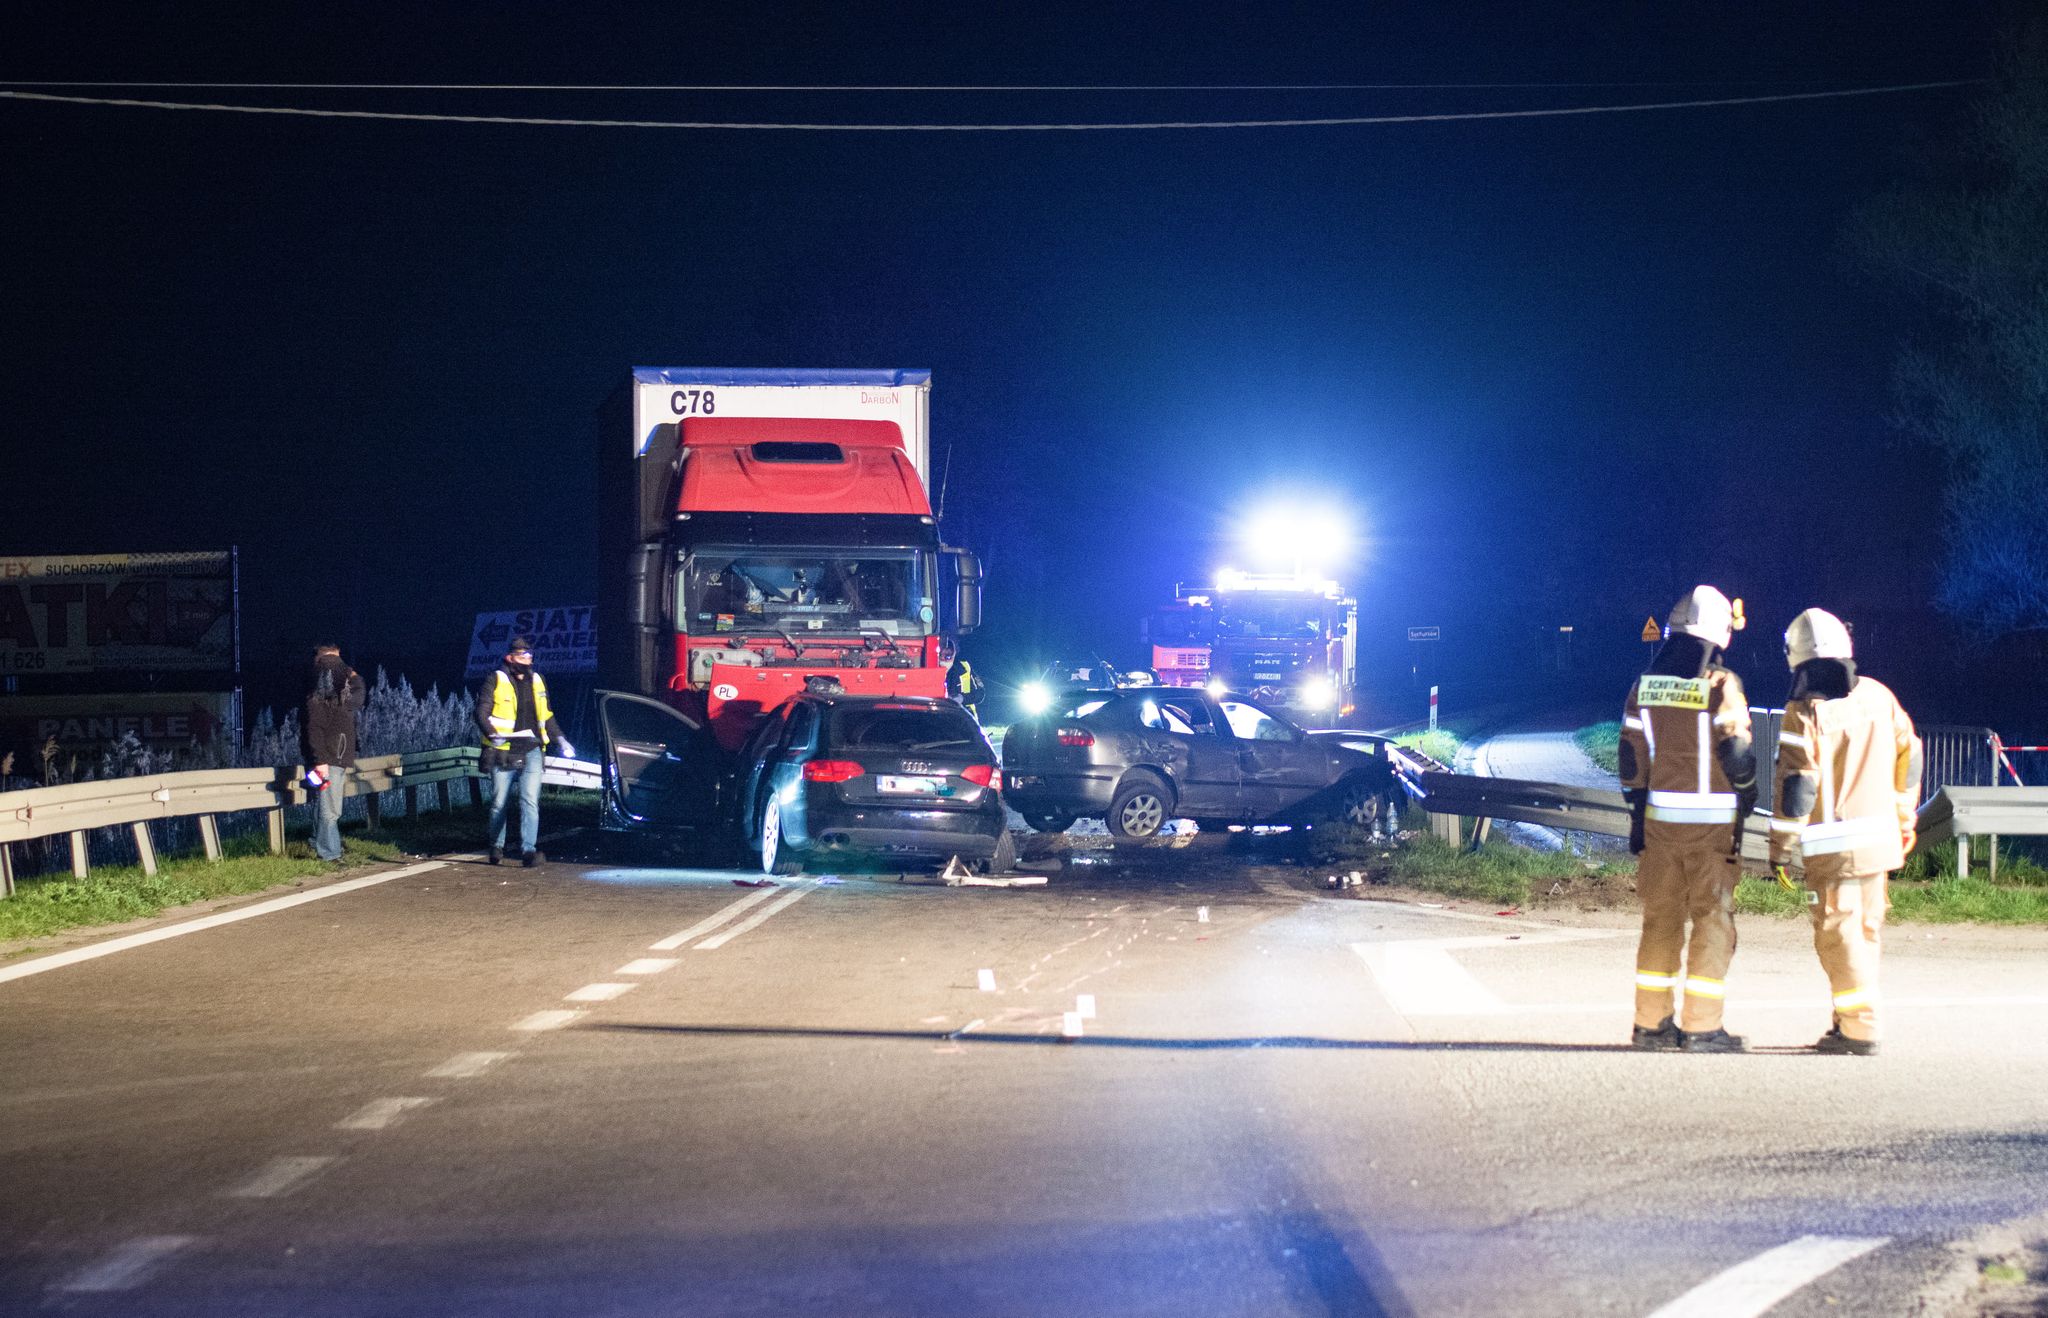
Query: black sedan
<point x="1137" y="757"/>
<point x="871" y="777"/>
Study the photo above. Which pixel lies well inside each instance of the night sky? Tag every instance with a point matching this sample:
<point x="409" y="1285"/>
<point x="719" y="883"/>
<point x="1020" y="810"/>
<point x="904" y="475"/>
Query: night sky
<point x="1555" y="370"/>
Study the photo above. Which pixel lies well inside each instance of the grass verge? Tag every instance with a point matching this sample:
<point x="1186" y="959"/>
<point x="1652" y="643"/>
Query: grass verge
<point x="1499" y="872"/>
<point x="1439" y="743"/>
<point x="113" y="894"/>
<point x="1927" y="891"/>
<point x="1602" y="744"/>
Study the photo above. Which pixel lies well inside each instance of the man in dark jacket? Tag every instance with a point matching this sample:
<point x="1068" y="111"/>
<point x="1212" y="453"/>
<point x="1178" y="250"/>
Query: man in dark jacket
<point x="518" y="729"/>
<point x="328" y="737"/>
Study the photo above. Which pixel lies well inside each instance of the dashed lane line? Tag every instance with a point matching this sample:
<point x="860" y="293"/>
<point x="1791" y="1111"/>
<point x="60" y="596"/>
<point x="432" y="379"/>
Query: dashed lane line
<point x="380" y="1113"/>
<point x="600" y="992"/>
<point x="127" y="1265"/>
<point x="59" y="960"/>
<point x="712" y="921"/>
<point x="546" y="1020"/>
<point x="648" y="965"/>
<point x="754" y="921"/>
<point x="464" y="1066"/>
<point x="1752" y="1287"/>
<point x="278" y="1177"/>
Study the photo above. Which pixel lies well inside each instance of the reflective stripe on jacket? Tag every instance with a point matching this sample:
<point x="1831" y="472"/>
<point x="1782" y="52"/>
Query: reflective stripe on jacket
<point x="1857" y="759"/>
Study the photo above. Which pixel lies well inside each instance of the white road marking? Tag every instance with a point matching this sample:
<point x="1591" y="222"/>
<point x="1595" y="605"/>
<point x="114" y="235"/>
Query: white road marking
<point x="600" y="992"/>
<point x="985" y="980"/>
<point x="1084" y="1006"/>
<point x="1070" y="1025"/>
<point x="464" y="856"/>
<point x="1750" y="1288"/>
<point x="753" y="921"/>
<point x="59" y="960"/>
<point x="463" y="1066"/>
<point x="648" y="965"/>
<point x="1201" y="915"/>
<point x="1420" y="980"/>
<point x="127" y="1265"/>
<point x="278" y="1177"/>
<point x="546" y="1020"/>
<point x="969" y="1027"/>
<point x="712" y="921"/>
<point x="379" y="1113"/>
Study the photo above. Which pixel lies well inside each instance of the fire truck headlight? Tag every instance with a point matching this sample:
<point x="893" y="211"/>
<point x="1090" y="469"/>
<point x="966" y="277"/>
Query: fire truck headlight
<point x="1035" y="698"/>
<point x="1218" y="687"/>
<point x="1318" y="693"/>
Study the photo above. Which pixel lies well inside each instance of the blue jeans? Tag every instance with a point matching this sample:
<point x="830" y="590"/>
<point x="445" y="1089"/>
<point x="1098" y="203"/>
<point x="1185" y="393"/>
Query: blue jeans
<point x="529" y="802"/>
<point x="327" y="813"/>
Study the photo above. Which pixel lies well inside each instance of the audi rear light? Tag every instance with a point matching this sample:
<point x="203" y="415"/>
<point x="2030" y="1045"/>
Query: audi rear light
<point x="831" y="771"/>
<point x="1075" y="737"/>
<point x="984" y="775"/>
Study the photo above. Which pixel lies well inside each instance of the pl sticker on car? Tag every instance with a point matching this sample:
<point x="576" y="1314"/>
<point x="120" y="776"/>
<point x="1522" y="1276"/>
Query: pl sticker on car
<point x="726" y="691"/>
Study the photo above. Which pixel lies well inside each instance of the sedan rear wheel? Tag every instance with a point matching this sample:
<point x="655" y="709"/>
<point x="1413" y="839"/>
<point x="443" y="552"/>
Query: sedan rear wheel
<point x="776" y="854"/>
<point x="1138" y="810"/>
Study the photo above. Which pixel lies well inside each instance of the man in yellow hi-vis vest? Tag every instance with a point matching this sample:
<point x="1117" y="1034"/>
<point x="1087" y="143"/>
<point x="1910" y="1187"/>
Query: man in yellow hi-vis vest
<point x="1688" y="771"/>
<point x="518" y="729"/>
<point x="1846" y="811"/>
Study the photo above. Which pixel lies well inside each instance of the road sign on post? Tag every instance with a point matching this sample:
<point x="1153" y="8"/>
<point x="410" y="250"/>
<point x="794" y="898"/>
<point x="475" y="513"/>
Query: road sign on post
<point x="1425" y="633"/>
<point x="1432" y="709"/>
<point x="1652" y="633"/>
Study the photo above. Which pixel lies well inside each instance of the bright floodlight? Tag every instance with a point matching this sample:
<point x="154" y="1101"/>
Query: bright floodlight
<point x="1303" y="538"/>
<point x="1036" y="697"/>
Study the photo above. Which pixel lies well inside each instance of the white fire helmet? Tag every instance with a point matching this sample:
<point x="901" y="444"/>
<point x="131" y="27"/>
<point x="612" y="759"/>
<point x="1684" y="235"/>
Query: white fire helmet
<point x="1817" y="634"/>
<point x="1707" y="614"/>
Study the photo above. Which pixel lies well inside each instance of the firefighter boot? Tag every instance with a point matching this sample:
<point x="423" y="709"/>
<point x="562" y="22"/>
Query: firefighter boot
<point x="1841" y="1045"/>
<point x="1712" y="1041"/>
<point x="531" y="859"/>
<point x="1663" y="1039"/>
<point x="497" y="855"/>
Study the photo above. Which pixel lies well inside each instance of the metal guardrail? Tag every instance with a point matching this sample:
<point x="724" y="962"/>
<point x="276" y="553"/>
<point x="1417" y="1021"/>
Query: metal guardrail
<point x="74" y="810"/>
<point x="1961" y="813"/>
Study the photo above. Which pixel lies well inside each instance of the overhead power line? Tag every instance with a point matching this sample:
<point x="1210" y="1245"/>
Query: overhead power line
<point x="902" y="87"/>
<point x="1341" y="121"/>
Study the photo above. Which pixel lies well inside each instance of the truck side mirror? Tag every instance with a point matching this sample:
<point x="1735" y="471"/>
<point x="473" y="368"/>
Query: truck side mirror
<point x="960" y="590"/>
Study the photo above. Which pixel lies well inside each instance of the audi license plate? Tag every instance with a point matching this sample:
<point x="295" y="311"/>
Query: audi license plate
<point x="895" y="785"/>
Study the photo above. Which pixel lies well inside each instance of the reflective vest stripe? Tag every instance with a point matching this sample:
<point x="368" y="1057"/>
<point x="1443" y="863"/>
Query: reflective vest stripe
<point x="1842" y="835"/>
<point x="1692" y="807"/>
<point x="1850" y="999"/>
<point x="1794" y="739"/>
<point x="505" y="710"/>
<point x="1655" y="982"/>
<point x="1698" y="986"/>
<point x="1703" y="747"/>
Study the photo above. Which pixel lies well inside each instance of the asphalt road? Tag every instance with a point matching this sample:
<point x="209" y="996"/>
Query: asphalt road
<point x="413" y="1098"/>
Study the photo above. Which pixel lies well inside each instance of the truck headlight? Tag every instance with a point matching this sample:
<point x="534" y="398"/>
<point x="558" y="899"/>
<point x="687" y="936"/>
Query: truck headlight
<point x="1318" y="693"/>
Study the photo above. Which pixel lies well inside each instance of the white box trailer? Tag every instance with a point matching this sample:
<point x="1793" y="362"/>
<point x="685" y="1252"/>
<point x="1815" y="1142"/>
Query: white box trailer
<point x="664" y="395"/>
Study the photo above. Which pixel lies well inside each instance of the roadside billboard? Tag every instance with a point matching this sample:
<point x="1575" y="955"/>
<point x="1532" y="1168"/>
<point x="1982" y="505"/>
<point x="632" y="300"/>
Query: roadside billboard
<point x="87" y="723"/>
<point x="117" y="613"/>
<point x="564" y="640"/>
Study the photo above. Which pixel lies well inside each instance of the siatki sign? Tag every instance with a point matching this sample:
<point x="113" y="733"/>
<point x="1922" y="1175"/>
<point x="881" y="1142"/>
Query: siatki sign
<point x="117" y="613"/>
<point x="564" y="640"/>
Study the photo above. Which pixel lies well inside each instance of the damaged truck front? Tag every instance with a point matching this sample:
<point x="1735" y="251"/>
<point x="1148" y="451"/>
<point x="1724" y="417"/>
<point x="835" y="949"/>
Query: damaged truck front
<point x="759" y="531"/>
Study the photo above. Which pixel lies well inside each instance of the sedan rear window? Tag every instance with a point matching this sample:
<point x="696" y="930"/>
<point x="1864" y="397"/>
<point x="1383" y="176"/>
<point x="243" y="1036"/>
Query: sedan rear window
<point x="904" y="728"/>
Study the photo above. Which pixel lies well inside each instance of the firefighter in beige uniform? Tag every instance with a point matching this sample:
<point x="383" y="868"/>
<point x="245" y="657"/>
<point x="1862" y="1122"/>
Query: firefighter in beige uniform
<point x="1688" y="771"/>
<point x="1848" y="789"/>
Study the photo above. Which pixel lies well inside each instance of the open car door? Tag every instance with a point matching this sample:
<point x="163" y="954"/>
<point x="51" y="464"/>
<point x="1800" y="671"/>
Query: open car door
<point x="661" y="767"/>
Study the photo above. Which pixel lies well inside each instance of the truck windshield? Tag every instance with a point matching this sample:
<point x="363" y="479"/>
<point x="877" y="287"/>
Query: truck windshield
<point x="1271" y="616"/>
<point x="766" y="591"/>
